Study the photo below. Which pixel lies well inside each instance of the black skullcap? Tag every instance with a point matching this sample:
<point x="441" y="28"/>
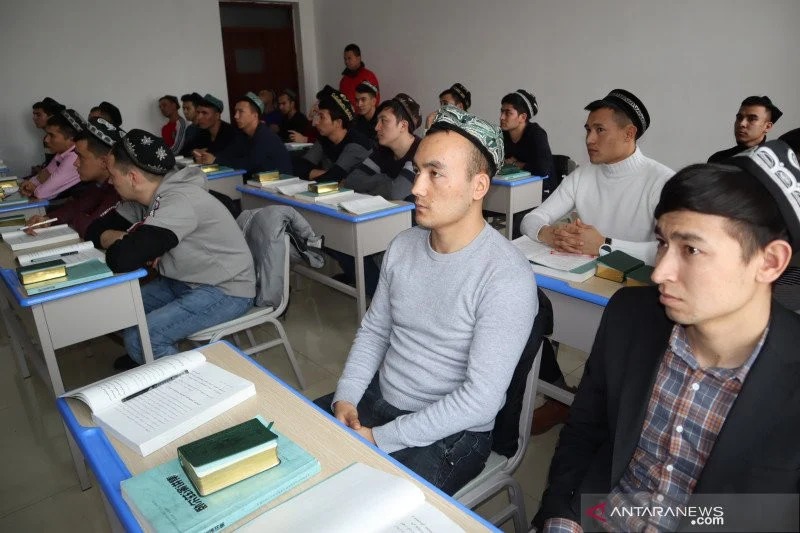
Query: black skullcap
<point x="74" y="119"/>
<point x="530" y="102"/>
<point x="628" y="103"/>
<point x="367" y="87"/>
<point x="792" y="138"/>
<point x="775" y="165"/>
<point x="113" y="113"/>
<point x="462" y="93"/>
<point x="411" y="108"/>
<point x="148" y="152"/>
<point x="764" y="101"/>
<point x="325" y="91"/>
<point x="104" y="131"/>
<point x="336" y="99"/>
<point x="50" y="106"/>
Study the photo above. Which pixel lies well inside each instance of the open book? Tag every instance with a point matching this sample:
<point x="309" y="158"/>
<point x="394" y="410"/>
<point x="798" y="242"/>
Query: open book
<point x="71" y="254"/>
<point x="152" y="405"/>
<point x="291" y="187"/>
<point x="19" y="240"/>
<point x="550" y="262"/>
<point x="373" y="501"/>
<point x="365" y="203"/>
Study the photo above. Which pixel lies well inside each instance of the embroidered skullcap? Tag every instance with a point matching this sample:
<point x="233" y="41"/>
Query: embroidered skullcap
<point x="764" y="101"/>
<point x="484" y="135"/>
<point x="74" y="119"/>
<point x="792" y="138"/>
<point x="50" y="106"/>
<point x="149" y="152"/>
<point x="775" y="165"/>
<point x="337" y="99"/>
<point x="209" y="100"/>
<point x="367" y="87"/>
<point x="411" y="108"/>
<point x="104" y="131"/>
<point x="628" y="103"/>
<point x="256" y="100"/>
<point x="530" y="102"/>
<point x="112" y="111"/>
<point x="462" y="94"/>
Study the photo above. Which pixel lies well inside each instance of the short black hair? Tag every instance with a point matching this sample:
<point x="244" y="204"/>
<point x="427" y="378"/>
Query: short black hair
<point x="766" y="103"/>
<point x="252" y="104"/>
<point x="191" y="97"/>
<point x="730" y="192"/>
<point x="516" y="101"/>
<point x="620" y="117"/>
<point x="62" y="124"/>
<point x="336" y="112"/>
<point x="410" y="115"/>
<point x="352" y="47"/>
<point x="290" y="94"/>
<point x="125" y="162"/>
<point x="171" y="98"/>
<point x="49" y="106"/>
<point x="95" y="145"/>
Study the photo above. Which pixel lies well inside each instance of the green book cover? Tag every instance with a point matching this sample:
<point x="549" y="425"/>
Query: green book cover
<point x="163" y="498"/>
<point x="619" y="261"/>
<point x="228" y="445"/>
<point x="79" y="273"/>
<point x="511" y="173"/>
<point x="640" y="276"/>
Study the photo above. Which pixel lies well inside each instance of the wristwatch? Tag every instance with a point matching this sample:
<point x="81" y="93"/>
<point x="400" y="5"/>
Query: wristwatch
<point x="605" y="248"/>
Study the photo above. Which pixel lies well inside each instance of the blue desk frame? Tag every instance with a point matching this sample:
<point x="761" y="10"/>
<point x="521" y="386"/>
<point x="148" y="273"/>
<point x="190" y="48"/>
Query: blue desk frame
<point x="31" y="207"/>
<point x="226" y="182"/>
<point x="110" y="470"/>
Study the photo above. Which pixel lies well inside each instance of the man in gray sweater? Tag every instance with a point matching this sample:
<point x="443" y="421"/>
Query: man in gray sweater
<point x="435" y="353"/>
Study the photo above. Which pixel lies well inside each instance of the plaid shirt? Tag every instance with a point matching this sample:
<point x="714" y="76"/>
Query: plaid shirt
<point x="687" y="409"/>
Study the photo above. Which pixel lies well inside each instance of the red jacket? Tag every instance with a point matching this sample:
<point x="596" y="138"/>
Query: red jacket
<point x="85" y="206"/>
<point x="350" y="81"/>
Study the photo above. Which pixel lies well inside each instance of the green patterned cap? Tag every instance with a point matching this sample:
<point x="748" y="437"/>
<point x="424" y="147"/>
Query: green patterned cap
<point x="485" y="135"/>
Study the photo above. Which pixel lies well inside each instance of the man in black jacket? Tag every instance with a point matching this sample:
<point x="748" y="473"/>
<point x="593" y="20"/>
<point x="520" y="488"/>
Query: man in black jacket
<point x="690" y="397"/>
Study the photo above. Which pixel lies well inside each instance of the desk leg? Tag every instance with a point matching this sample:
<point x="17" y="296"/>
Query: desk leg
<point x="509" y="216"/>
<point x="361" y="293"/>
<point x="48" y="351"/>
<point x="141" y="318"/>
<point x="11" y="324"/>
<point x="78" y="461"/>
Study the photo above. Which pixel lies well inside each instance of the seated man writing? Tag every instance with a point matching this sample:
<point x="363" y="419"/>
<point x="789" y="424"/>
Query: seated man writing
<point x="436" y="351"/>
<point x="689" y="397"/>
<point x="172" y="223"/>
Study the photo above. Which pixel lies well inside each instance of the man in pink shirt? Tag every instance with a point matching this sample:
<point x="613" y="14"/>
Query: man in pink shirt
<point x="60" y="173"/>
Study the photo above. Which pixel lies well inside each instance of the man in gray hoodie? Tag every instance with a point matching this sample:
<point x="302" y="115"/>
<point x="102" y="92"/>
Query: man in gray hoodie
<point x="171" y="223"/>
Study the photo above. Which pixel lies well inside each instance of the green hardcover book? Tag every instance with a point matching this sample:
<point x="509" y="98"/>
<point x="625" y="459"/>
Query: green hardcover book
<point x="640" y="277"/>
<point x="163" y="499"/>
<point x="38" y="272"/>
<point x="616" y="265"/>
<point x="76" y="274"/>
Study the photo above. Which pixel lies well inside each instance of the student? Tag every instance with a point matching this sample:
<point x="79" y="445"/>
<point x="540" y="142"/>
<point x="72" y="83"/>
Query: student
<point x="614" y="198"/>
<point x="189" y="105"/>
<point x="435" y="353"/>
<point x="174" y="131"/>
<point x="256" y="147"/>
<point x="215" y="134"/>
<point x="756" y="116"/>
<point x="690" y="391"/>
<point x="339" y="148"/>
<point x="171" y="223"/>
<point x="354" y="73"/>
<point x="366" y="105"/>
<point x="42" y="111"/>
<point x="271" y="115"/>
<point x="294" y="122"/>
<point x="92" y="147"/>
<point x="107" y="111"/>
<point x="457" y="95"/>
<point x="60" y="173"/>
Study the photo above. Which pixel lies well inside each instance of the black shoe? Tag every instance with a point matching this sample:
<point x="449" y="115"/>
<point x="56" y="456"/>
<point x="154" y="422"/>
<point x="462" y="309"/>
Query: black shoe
<point x="341" y="277"/>
<point x="124" y="363"/>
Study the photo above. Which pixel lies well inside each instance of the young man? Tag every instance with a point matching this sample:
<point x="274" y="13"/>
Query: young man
<point x="526" y="142"/>
<point x="256" y="148"/>
<point x="189" y="105"/>
<point x="457" y="95"/>
<point x="366" y="105"/>
<point x="339" y="148"/>
<point x="215" y="134"/>
<point x="689" y="397"/>
<point x="294" y="122"/>
<point x="756" y="116"/>
<point x="354" y="73"/>
<point x="92" y="146"/>
<point x="614" y="198"/>
<point x="173" y="224"/>
<point x="41" y="112"/>
<point x="60" y="173"/>
<point x="271" y="116"/>
<point x="435" y="352"/>
<point x="174" y="131"/>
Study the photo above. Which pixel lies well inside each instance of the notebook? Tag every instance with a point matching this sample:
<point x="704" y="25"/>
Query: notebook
<point x="71" y="254"/>
<point x="560" y="265"/>
<point x="19" y="240"/>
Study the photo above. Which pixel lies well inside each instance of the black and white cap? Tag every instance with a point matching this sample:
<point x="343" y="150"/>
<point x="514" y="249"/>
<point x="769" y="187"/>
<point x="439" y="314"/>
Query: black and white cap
<point x="149" y="152"/>
<point x="74" y="119"/>
<point x="775" y="165"/>
<point x="104" y="131"/>
<point x="628" y="103"/>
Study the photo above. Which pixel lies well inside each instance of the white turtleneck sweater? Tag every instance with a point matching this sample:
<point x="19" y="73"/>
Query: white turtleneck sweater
<point x="618" y="199"/>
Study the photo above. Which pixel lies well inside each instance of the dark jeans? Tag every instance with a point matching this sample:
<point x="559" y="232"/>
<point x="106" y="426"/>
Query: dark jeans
<point x="448" y="463"/>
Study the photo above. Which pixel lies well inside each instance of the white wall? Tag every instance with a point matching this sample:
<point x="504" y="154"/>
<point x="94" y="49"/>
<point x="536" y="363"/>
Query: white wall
<point x="691" y="62"/>
<point x="85" y="51"/>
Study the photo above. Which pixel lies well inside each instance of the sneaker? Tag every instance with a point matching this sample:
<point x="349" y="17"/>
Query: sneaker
<point x="124" y="363"/>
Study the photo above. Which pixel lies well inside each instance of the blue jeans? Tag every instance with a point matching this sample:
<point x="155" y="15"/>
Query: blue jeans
<point x="175" y="310"/>
<point x="449" y="463"/>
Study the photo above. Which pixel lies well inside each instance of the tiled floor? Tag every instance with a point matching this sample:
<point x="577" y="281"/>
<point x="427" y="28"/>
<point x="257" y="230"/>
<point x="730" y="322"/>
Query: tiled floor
<point x="40" y="490"/>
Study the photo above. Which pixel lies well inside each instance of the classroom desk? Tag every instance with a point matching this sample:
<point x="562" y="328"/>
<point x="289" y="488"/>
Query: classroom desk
<point x="27" y="209"/>
<point x="355" y="235"/>
<point x="331" y="443"/>
<point x="512" y="196"/>
<point x="577" y="310"/>
<point x="226" y="181"/>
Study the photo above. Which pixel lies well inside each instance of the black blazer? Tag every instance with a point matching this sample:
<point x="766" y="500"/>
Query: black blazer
<point x="757" y="449"/>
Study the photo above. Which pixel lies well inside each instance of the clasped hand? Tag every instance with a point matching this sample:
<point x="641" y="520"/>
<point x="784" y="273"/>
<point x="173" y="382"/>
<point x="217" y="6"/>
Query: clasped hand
<point x="347" y="414"/>
<point x="577" y="238"/>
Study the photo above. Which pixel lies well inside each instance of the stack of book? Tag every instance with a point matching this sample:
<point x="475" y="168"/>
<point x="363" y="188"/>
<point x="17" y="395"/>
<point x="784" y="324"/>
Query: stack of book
<point x="56" y="274"/>
<point x="623" y="268"/>
<point x="8" y="186"/>
<point x="551" y="262"/>
<point x="324" y="192"/>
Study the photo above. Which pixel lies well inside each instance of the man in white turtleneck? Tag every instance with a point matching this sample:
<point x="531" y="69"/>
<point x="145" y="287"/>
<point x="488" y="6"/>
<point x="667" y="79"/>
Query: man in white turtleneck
<point x="615" y="196"/>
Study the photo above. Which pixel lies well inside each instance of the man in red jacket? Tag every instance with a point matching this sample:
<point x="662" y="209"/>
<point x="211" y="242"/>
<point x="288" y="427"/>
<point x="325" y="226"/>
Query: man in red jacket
<point x="354" y="73"/>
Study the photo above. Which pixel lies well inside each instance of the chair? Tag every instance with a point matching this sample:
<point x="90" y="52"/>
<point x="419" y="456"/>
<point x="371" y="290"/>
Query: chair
<point x="498" y="472"/>
<point x="255" y="317"/>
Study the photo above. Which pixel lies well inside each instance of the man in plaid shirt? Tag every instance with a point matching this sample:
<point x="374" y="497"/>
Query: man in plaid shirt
<point x="691" y="386"/>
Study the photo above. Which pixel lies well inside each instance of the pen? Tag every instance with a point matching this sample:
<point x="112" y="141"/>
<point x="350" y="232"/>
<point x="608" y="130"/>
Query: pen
<point x="51" y="257"/>
<point x="151" y="387"/>
<point x="42" y="223"/>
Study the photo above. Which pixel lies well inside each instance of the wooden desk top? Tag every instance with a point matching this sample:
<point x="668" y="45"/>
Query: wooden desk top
<point x="334" y="446"/>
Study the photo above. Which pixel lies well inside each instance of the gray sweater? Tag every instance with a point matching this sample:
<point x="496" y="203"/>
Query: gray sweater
<point x="446" y="332"/>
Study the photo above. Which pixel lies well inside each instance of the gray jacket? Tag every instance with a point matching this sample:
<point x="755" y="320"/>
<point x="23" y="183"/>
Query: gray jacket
<point x="263" y="230"/>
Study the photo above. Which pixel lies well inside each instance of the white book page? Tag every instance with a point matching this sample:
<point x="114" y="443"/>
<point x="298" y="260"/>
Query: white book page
<point x="19" y="240"/>
<point x="359" y="494"/>
<point x="425" y="519"/>
<point x="105" y="393"/>
<point x="163" y="413"/>
<point x="543" y="254"/>
<point x="69" y="253"/>
<point x="291" y="189"/>
<point x="272" y="186"/>
<point x="333" y="199"/>
<point x="365" y="203"/>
